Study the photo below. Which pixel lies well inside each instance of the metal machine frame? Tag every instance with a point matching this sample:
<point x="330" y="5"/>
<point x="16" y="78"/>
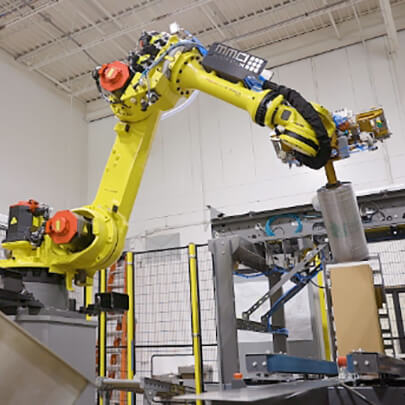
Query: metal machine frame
<point x="385" y="222"/>
<point x="227" y="252"/>
<point x="239" y="239"/>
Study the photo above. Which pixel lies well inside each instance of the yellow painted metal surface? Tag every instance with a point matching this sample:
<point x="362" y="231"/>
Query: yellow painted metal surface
<point x="195" y="319"/>
<point x="102" y="332"/>
<point x="89" y="299"/>
<point x="191" y="75"/>
<point x="110" y="211"/>
<point x="331" y="173"/>
<point x="324" y="318"/>
<point x="374" y="122"/>
<point x="118" y="188"/>
<point x="130" y="321"/>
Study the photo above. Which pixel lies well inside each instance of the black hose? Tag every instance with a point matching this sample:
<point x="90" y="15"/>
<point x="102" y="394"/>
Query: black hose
<point x="312" y="117"/>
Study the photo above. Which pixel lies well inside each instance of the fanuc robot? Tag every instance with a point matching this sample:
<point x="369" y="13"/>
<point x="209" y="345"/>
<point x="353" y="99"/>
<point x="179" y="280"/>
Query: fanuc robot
<point x="74" y="244"/>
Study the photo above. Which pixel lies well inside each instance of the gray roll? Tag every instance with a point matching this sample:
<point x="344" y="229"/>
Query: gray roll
<point x="342" y="220"/>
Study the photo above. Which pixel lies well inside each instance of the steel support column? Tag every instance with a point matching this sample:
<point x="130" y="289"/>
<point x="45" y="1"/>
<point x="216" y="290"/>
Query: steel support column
<point x="228" y="352"/>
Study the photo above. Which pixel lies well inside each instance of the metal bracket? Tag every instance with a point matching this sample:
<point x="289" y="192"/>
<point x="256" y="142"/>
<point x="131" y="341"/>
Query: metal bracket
<point x="149" y="387"/>
<point x="111" y="302"/>
<point x="284" y="278"/>
<point x="366" y="363"/>
<point x="281" y="363"/>
<point x="243" y="324"/>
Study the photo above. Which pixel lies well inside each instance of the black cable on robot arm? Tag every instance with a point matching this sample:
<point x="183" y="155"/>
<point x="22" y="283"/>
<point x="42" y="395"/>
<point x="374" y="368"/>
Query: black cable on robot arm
<point x="306" y="109"/>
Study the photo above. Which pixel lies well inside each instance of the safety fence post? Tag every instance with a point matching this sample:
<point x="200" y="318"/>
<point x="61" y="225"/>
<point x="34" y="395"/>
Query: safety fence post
<point x="195" y="320"/>
<point x="88" y="299"/>
<point x="102" y="332"/>
<point x="130" y="321"/>
<point x="324" y="317"/>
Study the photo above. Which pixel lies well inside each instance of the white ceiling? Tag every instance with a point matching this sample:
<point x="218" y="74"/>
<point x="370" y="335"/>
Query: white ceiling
<point x="63" y="40"/>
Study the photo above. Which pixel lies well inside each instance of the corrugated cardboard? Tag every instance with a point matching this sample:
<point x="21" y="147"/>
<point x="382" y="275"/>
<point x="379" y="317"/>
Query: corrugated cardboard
<point x="355" y="308"/>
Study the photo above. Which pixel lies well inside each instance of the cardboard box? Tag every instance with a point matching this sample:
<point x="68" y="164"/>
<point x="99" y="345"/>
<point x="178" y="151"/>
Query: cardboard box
<point x="355" y="308"/>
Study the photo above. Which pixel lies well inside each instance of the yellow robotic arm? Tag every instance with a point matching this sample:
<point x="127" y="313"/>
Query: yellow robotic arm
<point x="79" y="242"/>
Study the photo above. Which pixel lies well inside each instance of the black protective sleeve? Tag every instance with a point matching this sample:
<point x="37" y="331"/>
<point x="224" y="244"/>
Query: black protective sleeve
<point x="312" y="117"/>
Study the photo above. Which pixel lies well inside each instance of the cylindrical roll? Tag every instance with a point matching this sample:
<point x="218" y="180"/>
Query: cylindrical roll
<point x="343" y="223"/>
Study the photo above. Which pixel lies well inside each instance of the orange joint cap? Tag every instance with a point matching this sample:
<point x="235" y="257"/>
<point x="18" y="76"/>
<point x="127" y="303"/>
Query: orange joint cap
<point x="62" y="227"/>
<point x="113" y="76"/>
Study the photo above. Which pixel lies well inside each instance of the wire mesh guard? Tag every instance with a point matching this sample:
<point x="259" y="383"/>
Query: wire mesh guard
<point x="208" y="317"/>
<point x="163" y="313"/>
<point x="162" y="306"/>
<point x="116" y="332"/>
<point x="392" y="254"/>
<point x="392" y="258"/>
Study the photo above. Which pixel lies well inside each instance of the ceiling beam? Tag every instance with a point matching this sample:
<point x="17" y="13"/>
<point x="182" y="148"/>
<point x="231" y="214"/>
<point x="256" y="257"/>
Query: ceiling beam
<point x="208" y="12"/>
<point x="337" y="5"/>
<point x="357" y="18"/>
<point x="301" y="47"/>
<point x="392" y="34"/>
<point x="307" y="15"/>
<point x="229" y="26"/>
<point x="308" y="44"/>
<point x="111" y="17"/>
<point x="32" y="13"/>
<point x="117" y="34"/>
<point x="55" y="81"/>
<point x="332" y="21"/>
<point x="198" y="3"/>
<point x="96" y="25"/>
<point x="48" y="19"/>
<point x="107" y="13"/>
<point x="87" y="73"/>
<point x="85" y="17"/>
<point x="84" y="90"/>
<point x="8" y="8"/>
<point x="214" y="8"/>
